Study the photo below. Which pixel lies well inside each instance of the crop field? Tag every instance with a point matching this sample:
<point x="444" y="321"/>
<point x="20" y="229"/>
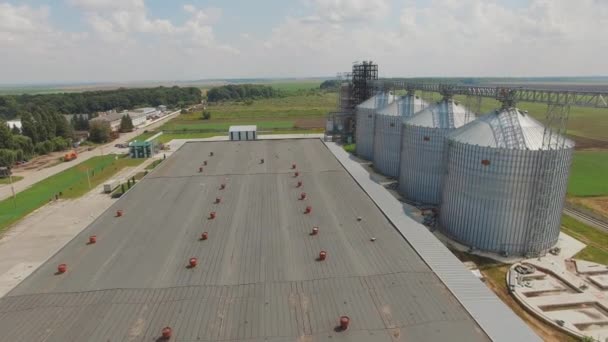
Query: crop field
<point x="294" y="106"/>
<point x="223" y="126"/>
<point x="72" y="183"/>
<point x="589" y="168"/>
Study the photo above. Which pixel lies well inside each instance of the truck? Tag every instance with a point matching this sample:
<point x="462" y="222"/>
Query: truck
<point x="70" y="156"/>
<point x="110" y="185"/>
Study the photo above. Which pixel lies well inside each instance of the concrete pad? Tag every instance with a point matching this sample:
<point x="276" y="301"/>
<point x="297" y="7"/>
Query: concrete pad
<point x="583" y="266"/>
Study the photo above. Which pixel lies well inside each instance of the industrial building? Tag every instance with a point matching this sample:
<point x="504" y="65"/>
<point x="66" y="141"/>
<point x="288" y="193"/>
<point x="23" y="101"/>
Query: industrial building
<point x="503" y="190"/>
<point x="243" y="250"/>
<point x="387" y="132"/>
<point x="138" y="116"/>
<point x="142" y="149"/>
<point x="423" y="146"/>
<point x="237" y="133"/>
<point x="366" y="119"/>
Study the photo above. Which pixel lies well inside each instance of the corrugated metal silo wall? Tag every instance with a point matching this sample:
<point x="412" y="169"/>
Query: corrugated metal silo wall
<point x="422" y="163"/>
<point x="365" y="133"/>
<point x="488" y="198"/>
<point x="387" y="144"/>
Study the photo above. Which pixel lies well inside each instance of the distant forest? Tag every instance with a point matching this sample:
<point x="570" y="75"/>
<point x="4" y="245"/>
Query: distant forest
<point x="45" y="129"/>
<point x="239" y="92"/>
<point x="12" y="106"/>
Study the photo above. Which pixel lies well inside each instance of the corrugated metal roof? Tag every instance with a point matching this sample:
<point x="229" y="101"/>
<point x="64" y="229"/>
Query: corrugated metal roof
<point x="377" y="101"/>
<point x="494" y="317"/>
<point x="446" y="114"/>
<point x="257" y="279"/>
<point x="506" y="128"/>
<point x="404" y="106"/>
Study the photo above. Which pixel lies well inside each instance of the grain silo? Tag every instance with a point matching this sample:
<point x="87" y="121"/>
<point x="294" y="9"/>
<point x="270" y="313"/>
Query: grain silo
<point x="387" y="132"/>
<point x="365" y="119"/>
<point x="504" y="189"/>
<point x="422" y="149"/>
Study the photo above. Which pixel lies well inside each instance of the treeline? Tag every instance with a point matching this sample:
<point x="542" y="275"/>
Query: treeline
<point x="239" y="92"/>
<point x="330" y="85"/>
<point x="40" y="134"/>
<point x="45" y="129"/>
<point x="12" y="106"/>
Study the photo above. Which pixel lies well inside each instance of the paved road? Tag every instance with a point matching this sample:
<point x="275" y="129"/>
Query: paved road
<point x="593" y="222"/>
<point x="34" y="176"/>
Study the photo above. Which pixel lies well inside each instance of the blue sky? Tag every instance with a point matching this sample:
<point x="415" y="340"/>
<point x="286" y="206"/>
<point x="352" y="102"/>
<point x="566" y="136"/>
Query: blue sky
<point x="132" y="40"/>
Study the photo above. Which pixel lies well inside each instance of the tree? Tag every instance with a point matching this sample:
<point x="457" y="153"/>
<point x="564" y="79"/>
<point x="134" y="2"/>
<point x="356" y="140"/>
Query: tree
<point x="126" y="124"/>
<point x="16" y="130"/>
<point x="206" y="115"/>
<point x="99" y="131"/>
<point x="330" y="85"/>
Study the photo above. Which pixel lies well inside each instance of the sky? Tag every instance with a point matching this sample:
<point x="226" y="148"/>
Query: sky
<point x="61" y="41"/>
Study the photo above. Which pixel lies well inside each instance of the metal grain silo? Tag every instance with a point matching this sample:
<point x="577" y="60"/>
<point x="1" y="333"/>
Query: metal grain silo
<point x="422" y="149"/>
<point x="504" y="190"/>
<point x="387" y="132"/>
<point x="365" y="116"/>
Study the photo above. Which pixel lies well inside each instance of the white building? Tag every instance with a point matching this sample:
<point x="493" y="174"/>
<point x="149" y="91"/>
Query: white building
<point x="243" y="132"/>
<point x="147" y="112"/>
<point x="138" y="117"/>
<point x="14" y="123"/>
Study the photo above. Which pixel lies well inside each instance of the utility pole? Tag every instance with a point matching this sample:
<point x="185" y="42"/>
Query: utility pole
<point x="10" y="179"/>
<point x="89" y="179"/>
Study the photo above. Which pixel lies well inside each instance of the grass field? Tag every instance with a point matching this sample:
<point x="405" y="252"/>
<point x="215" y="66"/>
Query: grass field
<point x="72" y="183"/>
<point x="212" y="125"/>
<point x="588" y="170"/>
<point x="295" y="106"/>
<point x="596" y="240"/>
<point x="7" y="180"/>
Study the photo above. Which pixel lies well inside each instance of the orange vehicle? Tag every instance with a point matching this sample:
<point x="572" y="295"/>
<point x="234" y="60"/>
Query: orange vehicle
<point x="70" y="156"/>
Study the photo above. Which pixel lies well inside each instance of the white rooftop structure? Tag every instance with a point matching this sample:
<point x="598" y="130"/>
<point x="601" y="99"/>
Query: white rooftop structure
<point x="243" y="132"/>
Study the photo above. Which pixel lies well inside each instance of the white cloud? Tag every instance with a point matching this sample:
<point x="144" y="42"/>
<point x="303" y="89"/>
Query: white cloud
<point x="349" y="10"/>
<point x="124" y="41"/>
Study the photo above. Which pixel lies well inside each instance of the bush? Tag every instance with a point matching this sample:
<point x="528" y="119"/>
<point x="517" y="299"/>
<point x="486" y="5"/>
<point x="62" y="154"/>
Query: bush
<point x="42" y="148"/>
<point x="8" y="157"/>
<point x="99" y="132"/>
<point x="206" y="115"/>
<point x="60" y="144"/>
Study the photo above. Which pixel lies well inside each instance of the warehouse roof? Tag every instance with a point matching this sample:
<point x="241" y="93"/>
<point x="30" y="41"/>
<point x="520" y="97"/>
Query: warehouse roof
<point x="258" y="276"/>
<point x="118" y="116"/>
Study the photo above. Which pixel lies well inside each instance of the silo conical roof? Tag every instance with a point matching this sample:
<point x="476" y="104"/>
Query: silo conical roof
<point x="447" y="114"/>
<point x="508" y="128"/>
<point x="377" y="101"/>
<point x="404" y="106"/>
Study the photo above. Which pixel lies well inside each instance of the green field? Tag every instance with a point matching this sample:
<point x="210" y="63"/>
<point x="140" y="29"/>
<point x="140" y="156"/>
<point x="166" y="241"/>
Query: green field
<point x="7" y="180"/>
<point x="212" y="125"/>
<point x="589" y="168"/>
<point x="72" y="183"/>
<point x="295" y="106"/>
<point x="596" y="240"/>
